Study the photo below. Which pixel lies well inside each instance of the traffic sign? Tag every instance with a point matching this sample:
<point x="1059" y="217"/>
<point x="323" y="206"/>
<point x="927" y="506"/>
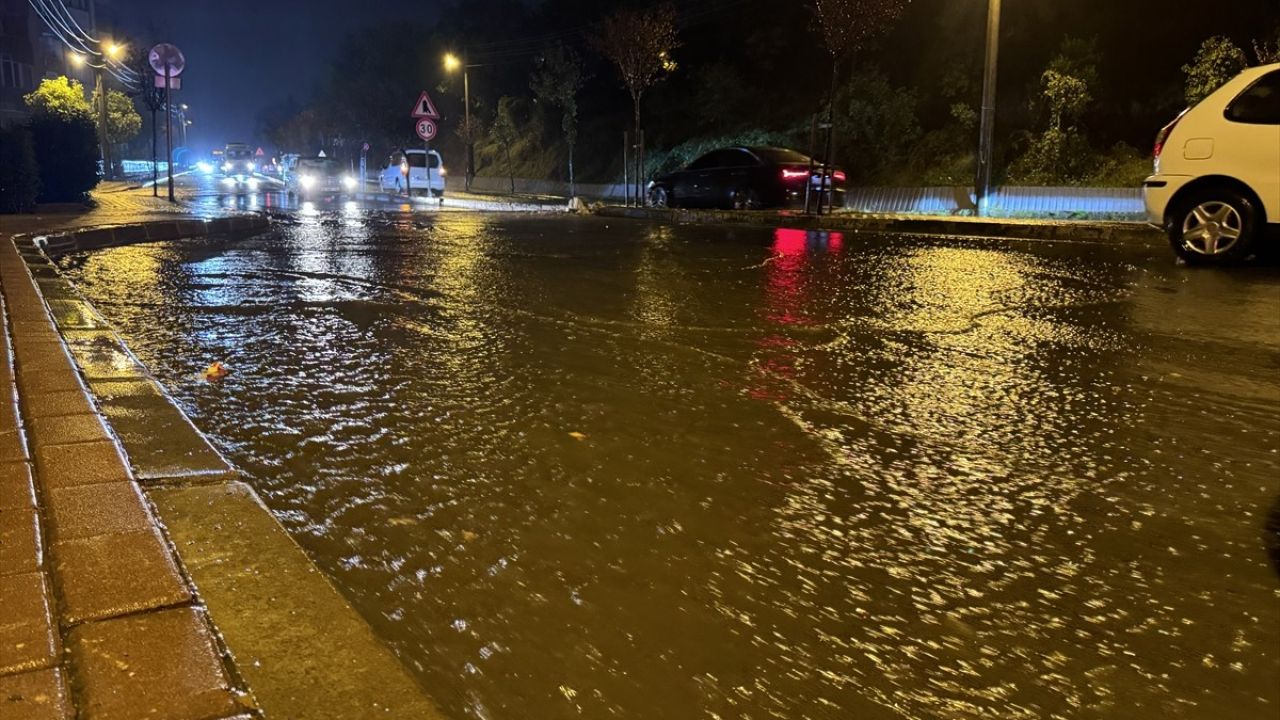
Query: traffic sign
<point x="175" y="83"/>
<point x="424" y="108"/>
<point x="164" y="56"/>
<point x="259" y="153"/>
<point x="426" y="129"/>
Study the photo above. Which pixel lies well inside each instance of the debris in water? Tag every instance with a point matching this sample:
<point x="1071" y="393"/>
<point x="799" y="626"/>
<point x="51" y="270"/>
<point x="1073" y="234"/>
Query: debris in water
<point x="577" y="435"/>
<point x="216" y="371"/>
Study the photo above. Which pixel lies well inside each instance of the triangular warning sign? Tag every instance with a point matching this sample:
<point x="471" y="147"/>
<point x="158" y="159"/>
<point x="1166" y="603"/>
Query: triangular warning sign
<point x="424" y="108"/>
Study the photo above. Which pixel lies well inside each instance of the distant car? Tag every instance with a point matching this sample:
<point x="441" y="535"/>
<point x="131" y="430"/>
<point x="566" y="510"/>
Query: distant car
<point x="320" y="178"/>
<point x="745" y="178"/>
<point x="409" y="169"/>
<point x="238" y="162"/>
<point x="1216" y="187"/>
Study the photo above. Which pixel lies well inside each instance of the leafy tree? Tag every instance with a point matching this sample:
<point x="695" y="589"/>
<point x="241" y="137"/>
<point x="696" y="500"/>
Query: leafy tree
<point x="65" y="140"/>
<point x="879" y="120"/>
<point x="556" y="82"/>
<point x="1267" y="51"/>
<point x="1217" y="61"/>
<point x="506" y="134"/>
<point x="58" y="98"/>
<point x="123" y="120"/>
<point x="639" y="43"/>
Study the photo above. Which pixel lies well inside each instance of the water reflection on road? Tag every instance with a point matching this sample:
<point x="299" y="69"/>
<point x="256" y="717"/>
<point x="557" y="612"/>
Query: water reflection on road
<point x="572" y="467"/>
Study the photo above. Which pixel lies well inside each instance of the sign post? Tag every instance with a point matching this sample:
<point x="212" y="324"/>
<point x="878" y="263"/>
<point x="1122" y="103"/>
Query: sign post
<point x="167" y="61"/>
<point x="425" y="115"/>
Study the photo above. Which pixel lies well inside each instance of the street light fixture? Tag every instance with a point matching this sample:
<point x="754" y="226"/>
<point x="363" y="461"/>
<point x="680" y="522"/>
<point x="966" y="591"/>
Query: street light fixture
<point x="451" y="64"/>
<point x="986" y="133"/>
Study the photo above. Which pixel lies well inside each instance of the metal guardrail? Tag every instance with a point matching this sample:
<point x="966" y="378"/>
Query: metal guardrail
<point x="1004" y="202"/>
<point x="1008" y="202"/>
<point x="142" y="167"/>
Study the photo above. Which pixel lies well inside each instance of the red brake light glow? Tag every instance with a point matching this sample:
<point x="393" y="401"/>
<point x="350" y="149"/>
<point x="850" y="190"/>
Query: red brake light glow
<point x="793" y="174"/>
<point x="838" y="175"/>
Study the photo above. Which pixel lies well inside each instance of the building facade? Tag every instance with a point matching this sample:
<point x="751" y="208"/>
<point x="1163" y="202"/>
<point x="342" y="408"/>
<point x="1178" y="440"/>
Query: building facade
<point x="30" y="51"/>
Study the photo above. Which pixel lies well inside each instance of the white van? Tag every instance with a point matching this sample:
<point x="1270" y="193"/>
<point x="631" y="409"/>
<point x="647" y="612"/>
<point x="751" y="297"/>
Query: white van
<point x="413" y="170"/>
<point x="1216" y="187"/>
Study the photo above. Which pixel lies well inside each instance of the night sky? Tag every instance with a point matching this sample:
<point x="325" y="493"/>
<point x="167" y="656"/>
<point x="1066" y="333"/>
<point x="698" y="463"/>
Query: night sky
<point x="243" y="55"/>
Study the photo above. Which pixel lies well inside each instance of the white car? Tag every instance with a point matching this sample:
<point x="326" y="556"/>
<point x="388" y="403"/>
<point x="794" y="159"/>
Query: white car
<point x="413" y="170"/>
<point x="1216" y="187"/>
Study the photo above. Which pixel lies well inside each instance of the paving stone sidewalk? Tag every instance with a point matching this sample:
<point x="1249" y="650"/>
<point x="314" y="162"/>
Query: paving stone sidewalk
<point x="97" y="619"/>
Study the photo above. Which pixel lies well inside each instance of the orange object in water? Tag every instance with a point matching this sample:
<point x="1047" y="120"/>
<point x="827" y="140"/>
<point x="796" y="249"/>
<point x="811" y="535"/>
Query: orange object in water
<point x="216" y="371"/>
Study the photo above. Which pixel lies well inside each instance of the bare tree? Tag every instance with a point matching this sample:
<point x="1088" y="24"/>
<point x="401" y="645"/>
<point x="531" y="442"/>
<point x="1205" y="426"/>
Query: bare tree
<point x="556" y="82"/>
<point x="639" y="42"/>
<point x="846" y="27"/>
<point x="506" y="134"/>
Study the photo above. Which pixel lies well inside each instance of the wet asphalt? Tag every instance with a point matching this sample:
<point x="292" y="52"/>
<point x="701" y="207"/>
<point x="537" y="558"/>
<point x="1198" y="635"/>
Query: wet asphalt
<point x="577" y="467"/>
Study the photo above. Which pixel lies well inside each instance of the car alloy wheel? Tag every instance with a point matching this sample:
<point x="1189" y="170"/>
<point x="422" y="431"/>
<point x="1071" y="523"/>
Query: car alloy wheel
<point x="745" y="199"/>
<point x="1212" y="228"/>
<point x="658" y="197"/>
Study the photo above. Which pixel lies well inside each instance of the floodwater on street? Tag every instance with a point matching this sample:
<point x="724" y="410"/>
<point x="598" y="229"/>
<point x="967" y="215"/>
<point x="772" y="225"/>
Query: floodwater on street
<point x="575" y="467"/>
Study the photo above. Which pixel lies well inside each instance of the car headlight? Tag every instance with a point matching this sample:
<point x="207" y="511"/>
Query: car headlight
<point x="227" y="166"/>
<point x="348" y="182"/>
<point x="250" y="166"/>
<point x="204" y="167"/>
<point x="441" y="172"/>
<point x="307" y="181"/>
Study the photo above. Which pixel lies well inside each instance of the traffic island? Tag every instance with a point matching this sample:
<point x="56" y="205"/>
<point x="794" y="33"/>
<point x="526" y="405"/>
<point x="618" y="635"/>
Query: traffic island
<point x="139" y="576"/>
<point x="1015" y="229"/>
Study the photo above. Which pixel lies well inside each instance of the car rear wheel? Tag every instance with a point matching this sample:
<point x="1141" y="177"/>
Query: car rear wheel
<point x="746" y="199"/>
<point x="659" y="198"/>
<point x="1214" y="227"/>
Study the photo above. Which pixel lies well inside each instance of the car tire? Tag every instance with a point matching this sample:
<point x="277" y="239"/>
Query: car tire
<point x="1213" y="226"/>
<point x="746" y="199"/>
<point x="660" y="198"/>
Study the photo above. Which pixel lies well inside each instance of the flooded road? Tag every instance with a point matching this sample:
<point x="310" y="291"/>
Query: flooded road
<point x="571" y="467"/>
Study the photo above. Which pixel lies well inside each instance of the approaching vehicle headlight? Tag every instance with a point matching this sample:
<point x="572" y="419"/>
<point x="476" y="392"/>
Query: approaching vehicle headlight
<point x="227" y="166"/>
<point x="307" y="181"/>
<point x="250" y="166"/>
<point x="348" y="182"/>
<point x="204" y="167"/>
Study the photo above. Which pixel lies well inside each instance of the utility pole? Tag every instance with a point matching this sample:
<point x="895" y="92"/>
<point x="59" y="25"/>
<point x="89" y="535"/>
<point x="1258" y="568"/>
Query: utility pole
<point x="168" y="125"/>
<point x="103" y="147"/>
<point x="986" y="137"/>
<point x="466" y="114"/>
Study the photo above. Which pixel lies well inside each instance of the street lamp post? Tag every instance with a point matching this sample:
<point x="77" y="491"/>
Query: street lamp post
<point x="451" y="63"/>
<point x="182" y="122"/>
<point x="986" y="133"/>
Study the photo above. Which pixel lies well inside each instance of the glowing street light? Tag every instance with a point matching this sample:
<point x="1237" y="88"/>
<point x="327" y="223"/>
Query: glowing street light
<point x="113" y="50"/>
<point x="77" y="59"/>
<point x="451" y="64"/>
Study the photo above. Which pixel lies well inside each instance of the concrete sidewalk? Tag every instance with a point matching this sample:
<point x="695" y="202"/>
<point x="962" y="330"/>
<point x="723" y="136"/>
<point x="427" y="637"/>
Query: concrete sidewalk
<point x="99" y="621"/>
<point x="139" y="578"/>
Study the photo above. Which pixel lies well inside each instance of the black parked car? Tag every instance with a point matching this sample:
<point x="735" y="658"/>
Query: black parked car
<point x="744" y="178"/>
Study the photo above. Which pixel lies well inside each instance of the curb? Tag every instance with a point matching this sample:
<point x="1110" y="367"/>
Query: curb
<point x="1071" y="231"/>
<point x="115" y="235"/>
<point x="290" y="642"/>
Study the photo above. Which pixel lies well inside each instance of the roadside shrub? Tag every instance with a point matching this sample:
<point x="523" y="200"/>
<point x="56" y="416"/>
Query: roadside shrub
<point x="19" y="175"/>
<point x="66" y="150"/>
<point x="660" y="162"/>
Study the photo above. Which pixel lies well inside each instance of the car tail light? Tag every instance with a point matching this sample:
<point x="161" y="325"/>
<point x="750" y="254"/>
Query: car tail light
<point x="789" y="174"/>
<point x="1163" y="136"/>
<point x="838" y="175"/>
